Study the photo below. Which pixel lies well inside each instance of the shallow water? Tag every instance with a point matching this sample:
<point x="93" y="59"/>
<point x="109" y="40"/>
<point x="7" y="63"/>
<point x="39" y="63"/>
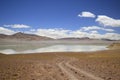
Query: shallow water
<point x="15" y="49"/>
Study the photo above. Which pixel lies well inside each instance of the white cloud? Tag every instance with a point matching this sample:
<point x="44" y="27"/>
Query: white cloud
<point x="32" y="30"/>
<point x="107" y="21"/>
<point x="113" y="36"/>
<point x="95" y="28"/>
<point x="17" y="26"/>
<point x="54" y="33"/>
<point x="79" y="34"/>
<point x="94" y="32"/>
<point x="61" y="33"/>
<point x="6" y="31"/>
<point x="90" y="28"/>
<point x="87" y="14"/>
<point x="90" y="32"/>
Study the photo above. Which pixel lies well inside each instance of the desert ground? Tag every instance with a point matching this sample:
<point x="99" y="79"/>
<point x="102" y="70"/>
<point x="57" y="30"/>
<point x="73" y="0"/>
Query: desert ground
<point x="99" y="65"/>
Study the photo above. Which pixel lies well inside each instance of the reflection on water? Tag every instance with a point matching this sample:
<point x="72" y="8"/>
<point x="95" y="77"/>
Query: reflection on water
<point x="55" y="48"/>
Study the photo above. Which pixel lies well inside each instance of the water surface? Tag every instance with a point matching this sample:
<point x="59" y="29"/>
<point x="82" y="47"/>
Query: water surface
<point x="15" y="49"/>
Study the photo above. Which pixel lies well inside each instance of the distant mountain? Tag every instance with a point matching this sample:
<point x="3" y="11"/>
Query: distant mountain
<point x="23" y="36"/>
<point x="107" y="39"/>
<point x="85" y="38"/>
<point x="3" y="36"/>
<point x="33" y="37"/>
<point x="72" y="38"/>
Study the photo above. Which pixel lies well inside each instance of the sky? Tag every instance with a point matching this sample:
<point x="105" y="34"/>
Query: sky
<point x="61" y="18"/>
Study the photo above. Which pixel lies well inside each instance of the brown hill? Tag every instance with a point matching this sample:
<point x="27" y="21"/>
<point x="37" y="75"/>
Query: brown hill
<point x="3" y="36"/>
<point x="23" y="36"/>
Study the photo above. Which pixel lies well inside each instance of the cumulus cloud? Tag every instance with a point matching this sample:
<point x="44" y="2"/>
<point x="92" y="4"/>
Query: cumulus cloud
<point x="6" y="31"/>
<point x="95" y="28"/>
<point x="87" y="14"/>
<point x="17" y="26"/>
<point x="94" y="32"/>
<point x="62" y="33"/>
<point x="90" y="31"/>
<point x="54" y="33"/>
<point x="113" y="36"/>
<point x="79" y="34"/>
<point x="108" y="21"/>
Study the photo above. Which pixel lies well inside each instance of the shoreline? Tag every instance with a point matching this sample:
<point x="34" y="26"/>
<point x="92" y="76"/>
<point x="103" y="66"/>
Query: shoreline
<point x="85" y="52"/>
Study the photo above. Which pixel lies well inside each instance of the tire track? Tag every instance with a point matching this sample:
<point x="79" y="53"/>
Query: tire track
<point x="70" y="75"/>
<point x="83" y="72"/>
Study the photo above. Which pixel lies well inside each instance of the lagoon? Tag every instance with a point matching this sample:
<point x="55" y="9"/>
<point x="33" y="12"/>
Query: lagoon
<point x="30" y="48"/>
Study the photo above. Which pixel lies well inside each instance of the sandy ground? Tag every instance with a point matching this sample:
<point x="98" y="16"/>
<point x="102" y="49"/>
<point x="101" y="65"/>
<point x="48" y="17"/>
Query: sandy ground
<point x="100" y="65"/>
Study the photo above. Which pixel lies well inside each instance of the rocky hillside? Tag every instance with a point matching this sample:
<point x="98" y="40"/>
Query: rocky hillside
<point x="23" y="36"/>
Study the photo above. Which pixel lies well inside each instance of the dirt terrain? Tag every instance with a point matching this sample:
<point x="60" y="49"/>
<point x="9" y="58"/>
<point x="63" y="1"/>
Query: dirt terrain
<point x="114" y="46"/>
<point x="100" y="65"/>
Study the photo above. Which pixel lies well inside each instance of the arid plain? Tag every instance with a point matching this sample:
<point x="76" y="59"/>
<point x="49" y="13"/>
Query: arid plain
<point x="99" y="65"/>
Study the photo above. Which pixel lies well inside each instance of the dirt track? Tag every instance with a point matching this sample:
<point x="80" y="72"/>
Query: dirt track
<point x="67" y="72"/>
<point x="75" y="73"/>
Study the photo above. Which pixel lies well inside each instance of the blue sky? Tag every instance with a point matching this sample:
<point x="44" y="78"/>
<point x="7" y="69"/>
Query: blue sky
<point x="60" y="17"/>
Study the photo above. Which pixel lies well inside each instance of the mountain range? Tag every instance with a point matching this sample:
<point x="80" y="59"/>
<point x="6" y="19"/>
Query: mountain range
<point x="23" y="36"/>
<point x="30" y="37"/>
